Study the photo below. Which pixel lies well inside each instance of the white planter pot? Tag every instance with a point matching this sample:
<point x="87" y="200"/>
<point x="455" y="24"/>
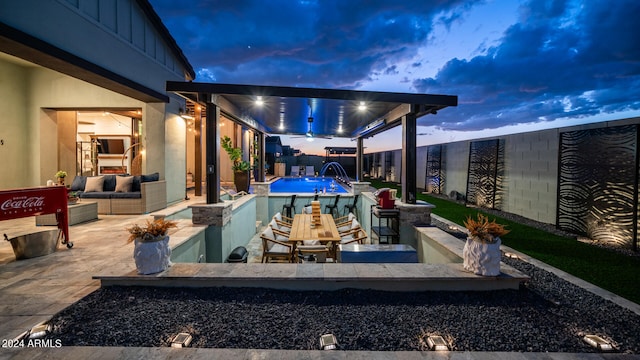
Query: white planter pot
<point x="482" y="259"/>
<point x="152" y="257"/>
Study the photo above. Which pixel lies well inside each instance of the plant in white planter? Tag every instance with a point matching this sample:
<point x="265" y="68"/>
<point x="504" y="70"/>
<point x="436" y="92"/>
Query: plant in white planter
<point x="151" y="253"/>
<point x="481" y="253"/>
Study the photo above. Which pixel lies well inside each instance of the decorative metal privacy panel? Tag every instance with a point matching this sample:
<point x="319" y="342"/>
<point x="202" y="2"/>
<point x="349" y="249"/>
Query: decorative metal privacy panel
<point x="389" y="166"/>
<point x="486" y="173"/>
<point x="433" y="179"/>
<point x="598" y="184"/>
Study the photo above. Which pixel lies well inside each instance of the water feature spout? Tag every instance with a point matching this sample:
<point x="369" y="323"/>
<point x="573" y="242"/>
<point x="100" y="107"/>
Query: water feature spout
<point x="339" y="170"/>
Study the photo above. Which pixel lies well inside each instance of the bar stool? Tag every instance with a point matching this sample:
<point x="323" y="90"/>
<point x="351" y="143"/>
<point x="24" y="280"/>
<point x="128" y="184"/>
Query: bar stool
<point x="352" y="208"/>
<point x="333" y="208"/>
<point x="286" y="208"/>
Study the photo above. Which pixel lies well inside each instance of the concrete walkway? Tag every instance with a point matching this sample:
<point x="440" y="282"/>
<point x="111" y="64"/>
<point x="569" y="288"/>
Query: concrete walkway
<point x="33" y="290"/>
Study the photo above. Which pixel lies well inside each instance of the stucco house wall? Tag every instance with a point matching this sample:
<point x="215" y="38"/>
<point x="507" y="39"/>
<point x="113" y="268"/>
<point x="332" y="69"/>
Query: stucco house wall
<point x="128" y="52"/>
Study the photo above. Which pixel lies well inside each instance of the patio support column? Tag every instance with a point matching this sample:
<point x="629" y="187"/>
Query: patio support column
<point x="408" y="170"/>
<point x="212" y="154"/>
<point x="261" y="158"/>
<point x="359" y="158"/>
<point x="198" y="150"/>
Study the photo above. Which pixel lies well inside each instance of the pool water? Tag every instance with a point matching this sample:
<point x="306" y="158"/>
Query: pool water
<point x="307" y="185"/>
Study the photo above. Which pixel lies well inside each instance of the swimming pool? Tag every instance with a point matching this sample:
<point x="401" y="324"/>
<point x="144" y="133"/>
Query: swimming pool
<point x="307" y="185"/>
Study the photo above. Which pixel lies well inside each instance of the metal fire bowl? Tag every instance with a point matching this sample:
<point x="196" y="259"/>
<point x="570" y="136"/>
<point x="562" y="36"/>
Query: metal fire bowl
<point x="35" y="244"/>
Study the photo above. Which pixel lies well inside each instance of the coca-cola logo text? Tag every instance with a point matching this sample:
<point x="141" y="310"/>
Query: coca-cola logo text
<point x="23" y="202"/>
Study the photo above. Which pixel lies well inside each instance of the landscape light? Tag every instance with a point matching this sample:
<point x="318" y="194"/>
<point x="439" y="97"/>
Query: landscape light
<point x="437" y="343"/>
<point x="181" y="340"/>
<point x="511" y="255"/>
<point x="598" y="342"/>
<point x="328" y="342"/>
<point x="39" y="331"/>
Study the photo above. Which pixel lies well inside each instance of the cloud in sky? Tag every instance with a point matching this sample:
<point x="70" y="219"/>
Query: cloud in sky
<point x="509" y="62"/>
<point x="561" y="59"/>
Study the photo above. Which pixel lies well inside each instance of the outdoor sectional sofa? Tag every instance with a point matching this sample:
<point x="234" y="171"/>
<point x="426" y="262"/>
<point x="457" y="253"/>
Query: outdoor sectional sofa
<point x="118" y="194"/>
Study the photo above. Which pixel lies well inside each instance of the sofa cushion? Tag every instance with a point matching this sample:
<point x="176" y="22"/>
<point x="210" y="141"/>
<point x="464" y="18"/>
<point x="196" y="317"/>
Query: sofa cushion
<point x="96" y="195"/>
<point x="78" y="183"/>
<point x="109" y="183"/>
<point x="94" y="184"/>
<point x="150" y="177"/>
<point x="124" y="184"/>
<point x="125" y="195"/>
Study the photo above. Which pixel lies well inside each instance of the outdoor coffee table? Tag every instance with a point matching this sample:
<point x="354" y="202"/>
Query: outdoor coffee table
<point x="78" y="213"/>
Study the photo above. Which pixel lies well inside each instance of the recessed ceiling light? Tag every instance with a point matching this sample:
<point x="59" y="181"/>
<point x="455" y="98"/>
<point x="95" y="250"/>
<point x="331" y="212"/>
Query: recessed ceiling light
<point x="362" y="106"/>
<point x="259" y="101"/>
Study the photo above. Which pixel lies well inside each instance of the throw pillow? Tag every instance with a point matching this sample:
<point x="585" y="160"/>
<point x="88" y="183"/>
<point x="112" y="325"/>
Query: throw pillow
<point x="124" y="183"/>
<point x="78" y="183"/>
<point x="150" y="177"/>
<point x="94" y="184"/>
<point x="109" y="183"/>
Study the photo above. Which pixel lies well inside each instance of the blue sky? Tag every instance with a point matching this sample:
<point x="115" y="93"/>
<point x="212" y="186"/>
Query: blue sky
<point x="516" y="66"/>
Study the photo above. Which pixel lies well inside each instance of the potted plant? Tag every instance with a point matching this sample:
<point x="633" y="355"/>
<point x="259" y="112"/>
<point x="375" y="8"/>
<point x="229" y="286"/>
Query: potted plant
<point x="240" y="167"/>
<point x="60" y="175"/>
<point x="72" y="197"/>
<point x="151" y="253"/>
<point x="481" y="253"/>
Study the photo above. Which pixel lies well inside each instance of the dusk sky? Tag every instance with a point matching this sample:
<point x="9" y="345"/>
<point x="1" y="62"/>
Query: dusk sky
<point x="515" y="66"/>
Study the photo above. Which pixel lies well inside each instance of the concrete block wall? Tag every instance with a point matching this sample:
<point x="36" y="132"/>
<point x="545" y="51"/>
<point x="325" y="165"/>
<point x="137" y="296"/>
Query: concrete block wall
<point x="456" y="166"/>
<point x="531" y="175"/>
<point x="530" y="185"/>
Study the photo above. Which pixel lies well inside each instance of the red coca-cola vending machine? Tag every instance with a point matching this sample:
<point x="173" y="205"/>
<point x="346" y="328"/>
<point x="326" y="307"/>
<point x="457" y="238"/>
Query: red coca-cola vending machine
<point x="19" y="203"/>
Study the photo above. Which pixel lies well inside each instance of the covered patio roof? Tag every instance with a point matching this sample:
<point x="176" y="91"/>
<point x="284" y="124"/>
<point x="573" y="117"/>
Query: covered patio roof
<point x="286" y="110"/>
<point x="312" y="112"/>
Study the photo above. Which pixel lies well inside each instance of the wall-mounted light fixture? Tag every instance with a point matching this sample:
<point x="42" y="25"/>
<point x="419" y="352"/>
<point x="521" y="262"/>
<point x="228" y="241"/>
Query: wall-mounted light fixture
<point x="185" y="114"/>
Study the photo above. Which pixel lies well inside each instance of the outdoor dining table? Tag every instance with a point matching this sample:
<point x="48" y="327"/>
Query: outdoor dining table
<point x="326" y="232"/>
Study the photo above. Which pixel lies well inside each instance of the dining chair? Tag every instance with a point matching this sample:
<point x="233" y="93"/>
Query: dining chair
<point x="357" y="235"/>
<point x="286" y="208"/>
<point x="273" y="249"/>
<point x="333" y="208"/>
<point x="352" y="208"/>
<point x="283" y="219"/>
<point x="344" y="223"/>
<point x="307" y="208"/>
<point x="319" y="252"/>
<point x="281" y="227"/>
